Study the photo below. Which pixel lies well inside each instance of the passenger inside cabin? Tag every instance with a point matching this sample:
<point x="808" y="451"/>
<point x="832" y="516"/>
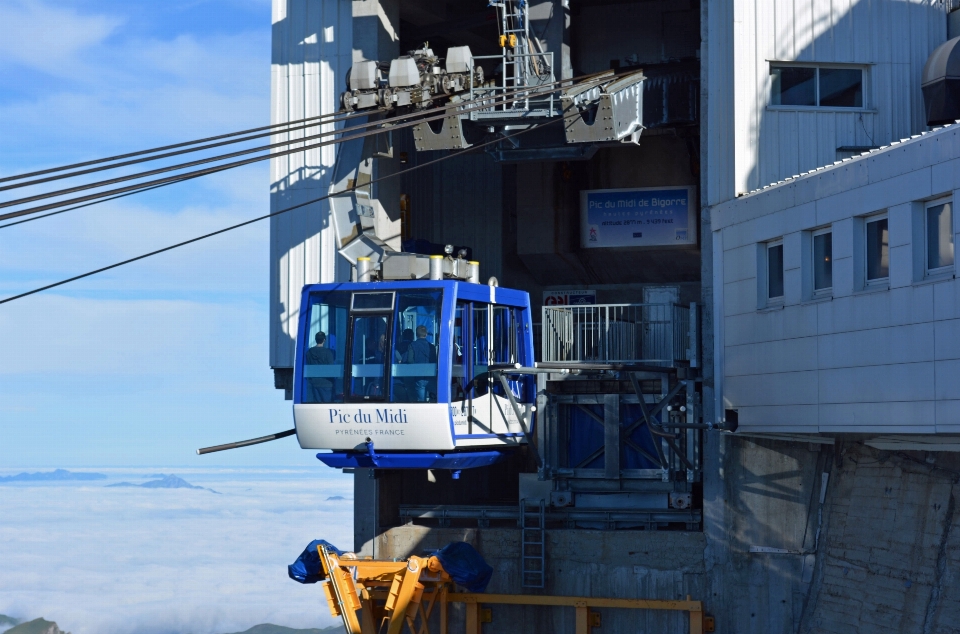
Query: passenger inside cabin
<point x="321" y="389"/>
<point x="406" y="338"/>
<point x="422" y="351"/>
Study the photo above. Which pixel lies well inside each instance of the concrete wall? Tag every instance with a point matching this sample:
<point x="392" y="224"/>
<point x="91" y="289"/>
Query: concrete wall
<point x="808" y="538"/>
<point x="861" y="359"/>
<point x="623" y="564"/>
<point x="890" y="546"/>
<point x="889" y="39"/>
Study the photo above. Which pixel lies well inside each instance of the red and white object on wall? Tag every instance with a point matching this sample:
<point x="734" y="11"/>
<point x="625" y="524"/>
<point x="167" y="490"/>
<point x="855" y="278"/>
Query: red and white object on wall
<point x="569" y="298"/>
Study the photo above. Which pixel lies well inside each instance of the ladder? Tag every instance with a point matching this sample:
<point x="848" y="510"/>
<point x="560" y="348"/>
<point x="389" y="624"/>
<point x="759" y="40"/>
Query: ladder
<point x="532" y="544"/>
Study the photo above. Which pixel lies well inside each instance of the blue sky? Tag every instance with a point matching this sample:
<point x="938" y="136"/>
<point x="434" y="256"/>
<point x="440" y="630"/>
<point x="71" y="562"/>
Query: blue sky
<point x="141" y="365"/>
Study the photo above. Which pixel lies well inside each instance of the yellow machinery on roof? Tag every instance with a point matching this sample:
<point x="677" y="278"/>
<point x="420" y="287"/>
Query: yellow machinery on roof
<point x="389" y="594"/>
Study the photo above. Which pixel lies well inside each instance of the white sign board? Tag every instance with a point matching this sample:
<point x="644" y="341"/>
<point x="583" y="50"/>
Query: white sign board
<point x="569" y="298"/>
<point x="647" y="217"/>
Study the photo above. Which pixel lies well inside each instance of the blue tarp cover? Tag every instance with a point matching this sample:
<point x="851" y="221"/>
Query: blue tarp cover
<point x="307" y="568"/>
<point x="465" y="565"/>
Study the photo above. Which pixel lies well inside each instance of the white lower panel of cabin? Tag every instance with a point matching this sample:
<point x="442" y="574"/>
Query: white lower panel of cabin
<point x="393" y="426"/>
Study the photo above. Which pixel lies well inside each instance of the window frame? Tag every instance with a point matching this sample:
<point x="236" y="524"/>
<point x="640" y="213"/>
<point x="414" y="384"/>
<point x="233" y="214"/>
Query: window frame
<point x="866" y="105"/>
<point x="878" y="282"/>
<point x="826" y="291"/>
<point x="778" y="299"/>
<point x="940" y="271"/>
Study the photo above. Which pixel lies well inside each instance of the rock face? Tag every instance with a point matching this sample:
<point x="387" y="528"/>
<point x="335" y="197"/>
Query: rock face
<point x="36" y="626"/>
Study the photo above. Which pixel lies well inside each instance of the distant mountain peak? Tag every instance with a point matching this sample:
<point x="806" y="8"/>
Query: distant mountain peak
<point x="167" y="482"/>
<point x="55" y="475"/>
<point x="36" y="626"/>
<point x="270" y="628"/>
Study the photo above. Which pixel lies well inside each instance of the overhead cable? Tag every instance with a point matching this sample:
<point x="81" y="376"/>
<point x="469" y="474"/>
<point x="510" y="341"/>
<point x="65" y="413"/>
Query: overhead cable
<point x="310" y="122"/>
<point x="52" y="170"/>
<point x="199" y="148"/>
<point x="94" y="202"/>
<point x="485" y="103"/>
<point x="282" y="211"/>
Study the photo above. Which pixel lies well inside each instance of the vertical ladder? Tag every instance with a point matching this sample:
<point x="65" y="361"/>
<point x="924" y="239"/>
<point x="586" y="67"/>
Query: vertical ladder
<point x="532" y="544"/>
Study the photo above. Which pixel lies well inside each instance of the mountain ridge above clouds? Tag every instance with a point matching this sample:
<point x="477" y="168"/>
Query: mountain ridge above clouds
<point x="42" y="626"/>
<point x="53" y="476"/>
<point x="270" y="628"/>
<point x="167" y="482"/>
<point x="36" y="626"/>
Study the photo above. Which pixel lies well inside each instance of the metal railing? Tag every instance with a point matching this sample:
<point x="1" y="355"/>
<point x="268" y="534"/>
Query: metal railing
<point x="655" y="334"/>
<point x="521" y="104"/>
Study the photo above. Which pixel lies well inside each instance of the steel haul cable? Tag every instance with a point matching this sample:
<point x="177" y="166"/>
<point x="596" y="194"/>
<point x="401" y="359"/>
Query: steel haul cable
<point x="277" y="213"/>
<point x="168" y="147"/>
<point x="387" y="125"/>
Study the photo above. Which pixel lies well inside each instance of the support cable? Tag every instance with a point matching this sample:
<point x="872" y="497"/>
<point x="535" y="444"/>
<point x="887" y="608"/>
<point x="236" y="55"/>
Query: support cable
<point x="277" y="213"/>
<point x="212" y="170"/>
<point x="175" y="145"/>
<point x="200" y="148"/>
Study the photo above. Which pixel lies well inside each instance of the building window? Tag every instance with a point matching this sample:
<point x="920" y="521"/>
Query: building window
<point x="939" y="242"/>
<point x="878" y="250"/>
<point x="815" y="86"/>
<point x="822" y="262"/>
<point x="775" y="271"/>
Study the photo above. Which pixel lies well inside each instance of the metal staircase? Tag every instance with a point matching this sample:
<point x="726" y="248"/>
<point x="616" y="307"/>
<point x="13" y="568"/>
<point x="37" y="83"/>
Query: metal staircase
<point x="532" y="544"/>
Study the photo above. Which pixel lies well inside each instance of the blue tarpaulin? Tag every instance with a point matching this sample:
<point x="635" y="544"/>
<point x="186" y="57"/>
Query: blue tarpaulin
<point x="465" y="565"/>
<point x="307" y="568"/>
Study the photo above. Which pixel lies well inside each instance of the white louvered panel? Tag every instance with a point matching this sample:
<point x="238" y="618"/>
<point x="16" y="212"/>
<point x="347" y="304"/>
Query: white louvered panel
<point x="823" y="30"/>
<point x="826" y="139"/>
<point x="305" y="84"/>
<point x="842" y="20"/>
<point x="881" y="77"/>
<point x="803" y="31"/>
<point x="868" y="24"/>
<point x="808" y="139"/>
<point x="784" y="20"/>
<point x="768" y="166"/>
<point x="746" y="103"/>
<point x="789" y="135"/>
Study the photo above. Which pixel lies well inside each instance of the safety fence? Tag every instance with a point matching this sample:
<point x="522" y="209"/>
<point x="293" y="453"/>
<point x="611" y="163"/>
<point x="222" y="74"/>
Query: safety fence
<point x="655" y="334"/>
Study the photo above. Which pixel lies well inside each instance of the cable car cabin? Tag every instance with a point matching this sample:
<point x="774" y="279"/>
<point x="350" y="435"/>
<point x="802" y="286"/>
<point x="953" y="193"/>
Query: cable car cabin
<point x="397" y="374"/>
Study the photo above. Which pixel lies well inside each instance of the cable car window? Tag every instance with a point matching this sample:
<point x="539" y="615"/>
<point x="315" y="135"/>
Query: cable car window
<point x="458" y="354"/>
<point x="372" y="302"/>
<point x="323" y="360"/>
<point x="504" y="335"/>
<point x="416" y="334"/>
<point x="481" y="351"/>
<point x="368" y="355"/>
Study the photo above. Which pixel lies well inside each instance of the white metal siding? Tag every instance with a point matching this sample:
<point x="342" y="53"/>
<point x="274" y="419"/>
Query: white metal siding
<point x="874" y="361"/>
<point x="892" y="38"/>
<point x="312" y="50"/>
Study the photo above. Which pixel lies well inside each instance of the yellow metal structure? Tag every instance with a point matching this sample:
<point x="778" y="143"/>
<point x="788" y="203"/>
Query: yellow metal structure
<point x="373" y="597"/>
<point x="508" y="40"/>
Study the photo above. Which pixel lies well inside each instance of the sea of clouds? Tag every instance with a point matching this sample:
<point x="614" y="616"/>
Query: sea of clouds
<point x="119" y="560"/>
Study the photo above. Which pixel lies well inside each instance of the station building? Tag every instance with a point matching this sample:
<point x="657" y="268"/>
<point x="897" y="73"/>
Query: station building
<point x="817" y="269"/>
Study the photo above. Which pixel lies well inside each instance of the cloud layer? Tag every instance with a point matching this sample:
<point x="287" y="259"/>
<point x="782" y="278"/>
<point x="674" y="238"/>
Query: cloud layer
<point x="101" y="560"/>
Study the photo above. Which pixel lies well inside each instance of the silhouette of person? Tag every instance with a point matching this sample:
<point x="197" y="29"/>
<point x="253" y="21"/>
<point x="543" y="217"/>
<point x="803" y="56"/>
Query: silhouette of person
<point x="320" y="388"/>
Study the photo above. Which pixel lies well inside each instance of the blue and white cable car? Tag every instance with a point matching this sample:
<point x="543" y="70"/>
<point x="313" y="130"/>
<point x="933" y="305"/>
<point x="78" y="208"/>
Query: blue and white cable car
<point x="397" y="374"/>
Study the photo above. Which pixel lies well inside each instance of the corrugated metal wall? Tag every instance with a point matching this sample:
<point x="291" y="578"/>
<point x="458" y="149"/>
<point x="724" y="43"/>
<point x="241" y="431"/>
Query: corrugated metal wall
<point x="312" y="49"/>
<point x="457" y="201"/>
<point x="890" y="38"/>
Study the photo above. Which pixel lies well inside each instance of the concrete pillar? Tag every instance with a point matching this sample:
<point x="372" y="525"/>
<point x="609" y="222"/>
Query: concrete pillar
<point x="364" y="513"/>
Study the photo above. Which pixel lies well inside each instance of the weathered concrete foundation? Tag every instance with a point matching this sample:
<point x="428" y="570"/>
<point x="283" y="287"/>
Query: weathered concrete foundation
<point x="813" y="538"/>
